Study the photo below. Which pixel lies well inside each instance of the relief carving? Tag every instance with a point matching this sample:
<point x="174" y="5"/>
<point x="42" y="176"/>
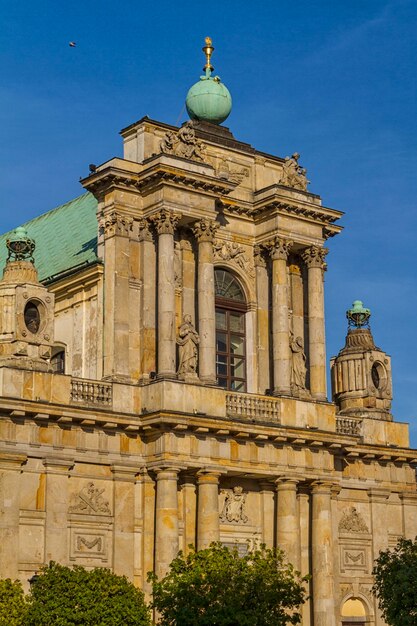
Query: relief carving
<point x="232" y="251"/>
<point x="183" y="143"/>
<point x="352" y="522"/>
<point x="226" y="172"/>
<point x="234" y="506"/>
<point x="90" y="501"/>
<point x="187" y="341"/>
<point x="83" y="541"/>
<point x="293" y="175"/>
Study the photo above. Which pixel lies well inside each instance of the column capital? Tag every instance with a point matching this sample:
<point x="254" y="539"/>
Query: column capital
<point x="279" y="248"/>
<point x="286" y="483"/>
<point x="378" y="495"/>
<point x="208" y="477"/>
<point x="314" y="256"/>
<point x="125" y="473"/>
<point x="205" y="230"/>
<point x="145" y="233"/>
<point x="165" y="221"/>
<point x="322" y="487"/>
<point x="115" y="223"/>
<point x="166" y="473"/>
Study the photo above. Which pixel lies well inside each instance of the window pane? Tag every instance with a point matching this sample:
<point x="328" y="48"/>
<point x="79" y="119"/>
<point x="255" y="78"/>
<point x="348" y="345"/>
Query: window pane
<point x="221" y="342"/>
<point x="237" y="345"/>
<point x="238" y="385"/>
<point x="237" y="322"/>
<point x="221" y="365"/>
<point x="226" y="286"/>
<point x="222" y="382"/>
<point x="237" y="368"/>
<point x="221" y="320"/>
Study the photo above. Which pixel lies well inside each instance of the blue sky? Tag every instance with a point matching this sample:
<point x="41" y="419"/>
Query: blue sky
<point x="335" y="81"/>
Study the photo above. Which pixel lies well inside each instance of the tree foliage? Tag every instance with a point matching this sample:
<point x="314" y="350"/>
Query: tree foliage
<point x="216" y="587"/>
<point x="12" y="603"/>
<point x="70" y="597"/>
<point x="395" y="585"/>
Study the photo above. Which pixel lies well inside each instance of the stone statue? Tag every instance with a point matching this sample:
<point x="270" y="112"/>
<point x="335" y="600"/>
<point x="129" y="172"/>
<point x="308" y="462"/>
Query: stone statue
<point x="234" y="506"/>
<point x="184" y="143"/>
<point x="299" y="369"/>
<point x="187" y="341"/>
<point x="293" y="175"/>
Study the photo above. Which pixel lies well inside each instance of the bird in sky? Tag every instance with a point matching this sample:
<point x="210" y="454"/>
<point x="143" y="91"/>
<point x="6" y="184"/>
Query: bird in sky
<point x="72" y="44"/>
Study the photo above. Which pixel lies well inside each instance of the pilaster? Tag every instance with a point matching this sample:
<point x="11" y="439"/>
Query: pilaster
<point x="208" y="524"/>
<point x="10" y="473"/>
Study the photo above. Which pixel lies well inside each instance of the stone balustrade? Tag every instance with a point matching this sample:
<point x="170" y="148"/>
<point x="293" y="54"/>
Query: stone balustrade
<point x="91" y="392"/>
<point x="253" y="407"/>
<point x="348" y="426"/>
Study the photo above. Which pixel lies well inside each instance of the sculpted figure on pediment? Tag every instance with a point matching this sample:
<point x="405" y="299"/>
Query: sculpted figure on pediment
<point x="293" y="175"/>
<point x="183" y="143"/>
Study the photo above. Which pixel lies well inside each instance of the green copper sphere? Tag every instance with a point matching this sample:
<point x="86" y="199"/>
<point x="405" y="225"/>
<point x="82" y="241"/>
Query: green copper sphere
<point x="209" y="100"/>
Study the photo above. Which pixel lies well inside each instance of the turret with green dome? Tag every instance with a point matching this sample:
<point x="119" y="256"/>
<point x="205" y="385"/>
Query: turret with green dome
<point x="209" y="100"/>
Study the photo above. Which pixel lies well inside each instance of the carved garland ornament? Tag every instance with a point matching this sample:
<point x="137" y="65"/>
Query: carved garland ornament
<point x="183" y="143"/>
<point x="352" y="522"/>
<point x="90" y="501"/>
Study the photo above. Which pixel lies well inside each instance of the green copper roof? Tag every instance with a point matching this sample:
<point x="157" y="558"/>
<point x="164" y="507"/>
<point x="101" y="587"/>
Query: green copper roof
<point x="65" y="237"/>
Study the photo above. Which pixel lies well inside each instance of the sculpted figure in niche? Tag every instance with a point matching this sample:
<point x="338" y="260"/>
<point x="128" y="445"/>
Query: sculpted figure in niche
<point x="299" y="369"/>
<point x="187" y="341"/>
<point x="293" y="175"/>
<point x="234" y="506"/>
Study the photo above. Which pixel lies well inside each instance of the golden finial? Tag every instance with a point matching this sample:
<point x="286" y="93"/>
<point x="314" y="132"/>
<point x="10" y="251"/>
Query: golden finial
<point x="208" y="51"/>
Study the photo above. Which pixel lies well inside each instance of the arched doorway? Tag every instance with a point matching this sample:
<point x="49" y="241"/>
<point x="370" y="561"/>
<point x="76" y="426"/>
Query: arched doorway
<point x="230" y="332"/>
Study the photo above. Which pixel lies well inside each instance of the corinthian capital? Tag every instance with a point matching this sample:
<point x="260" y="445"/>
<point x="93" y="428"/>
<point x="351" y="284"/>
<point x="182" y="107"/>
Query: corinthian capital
<point x="165" y="222"/>
<point x="314" y="256"/>
<point x="279" y="248"/>
<point x="205" y="230"/>
<point x="115" y="223"/>
<point x="144" y="231"/>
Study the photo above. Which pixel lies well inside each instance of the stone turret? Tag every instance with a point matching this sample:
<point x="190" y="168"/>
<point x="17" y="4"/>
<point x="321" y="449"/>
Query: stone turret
<point x="361" y="372"/>
<point x="26" y="309"/>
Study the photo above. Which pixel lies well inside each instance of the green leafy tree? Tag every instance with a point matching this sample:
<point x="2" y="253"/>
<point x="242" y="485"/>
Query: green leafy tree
<point x="12" y="603"/>
<point x="216" y="587"/>
<point x="395" y="585"/>
<point x="70" y="597"/>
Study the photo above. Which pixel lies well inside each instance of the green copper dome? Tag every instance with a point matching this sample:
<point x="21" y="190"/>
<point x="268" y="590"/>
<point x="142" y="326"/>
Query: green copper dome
<point x="209" y="100"/>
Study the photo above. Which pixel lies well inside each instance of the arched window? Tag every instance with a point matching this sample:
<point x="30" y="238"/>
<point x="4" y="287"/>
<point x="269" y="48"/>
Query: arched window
<point x="353" y="612"/>
<point x="230" y="332"/>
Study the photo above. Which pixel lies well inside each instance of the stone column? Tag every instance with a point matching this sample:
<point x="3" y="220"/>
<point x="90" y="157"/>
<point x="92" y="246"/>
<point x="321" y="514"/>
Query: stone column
<point x="262" y="299"/>
<point x="189" y="498"/>
<point x="304" y="515"/>
<point x="322" y="555"/>
<point x="204" y="231"/>
<point x="56" y="506"/>
<point x="267" y="513"/>
<point x="124" y="520"/>
<point x="208" y="524"/>
<point x="166" y="519"/>
<point x="145" y="518"/>
<point x="116" y="228"/>
<point x="314" y="259"/>
<point x="148" y="300"/>
<point x="10" y="472"/>
<point x="165" y="222"/>
<point x="279" y="251"/>
<point x="288" y="526"/>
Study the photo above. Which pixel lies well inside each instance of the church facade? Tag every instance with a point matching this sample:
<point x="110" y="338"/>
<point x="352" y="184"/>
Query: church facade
<point x="163" y="377"/>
